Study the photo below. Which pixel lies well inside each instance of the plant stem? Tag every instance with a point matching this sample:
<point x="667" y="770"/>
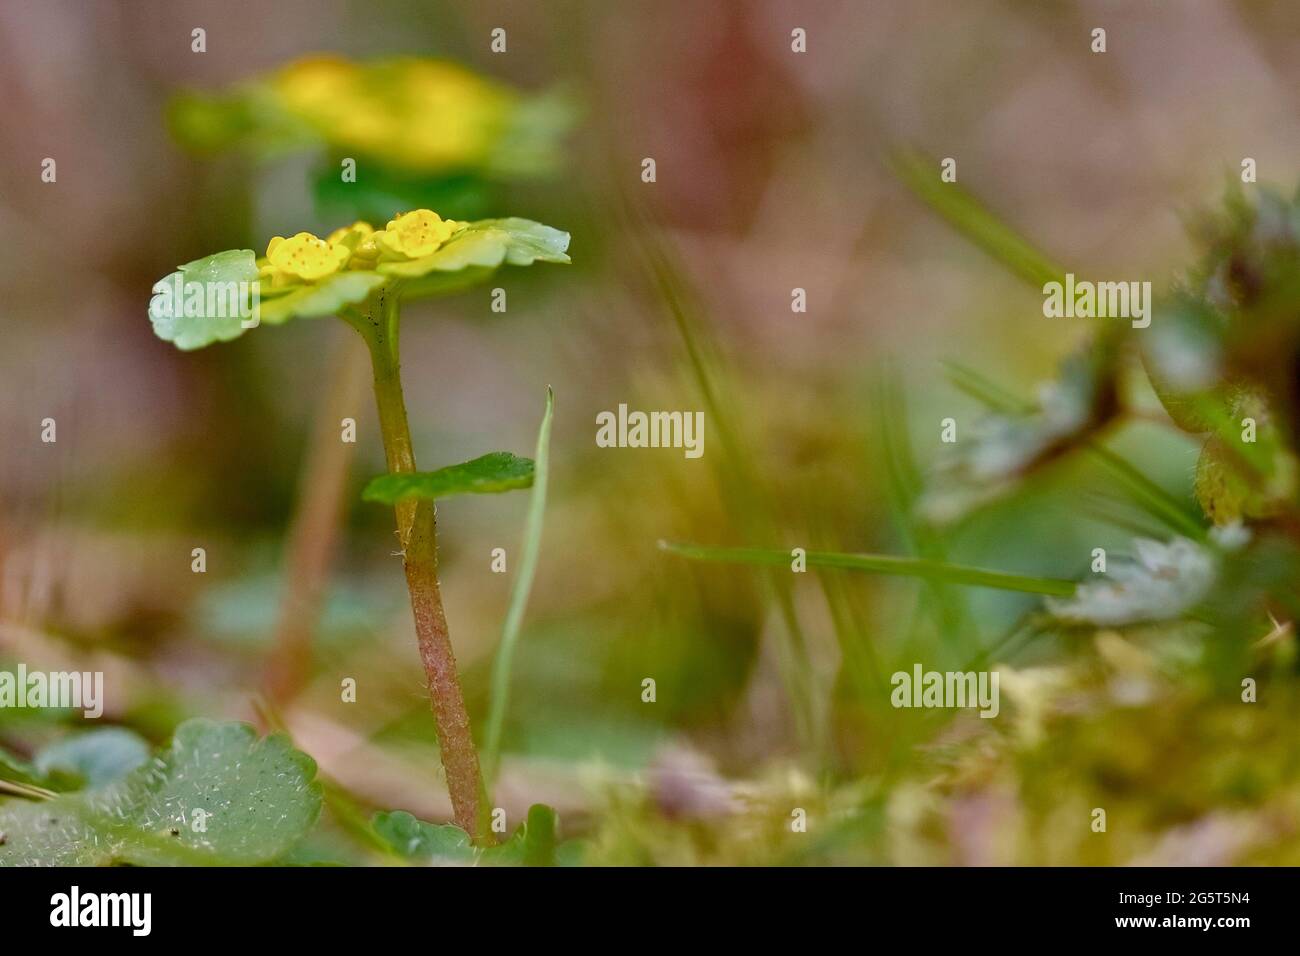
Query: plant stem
<point x="315" y="528"/>
<point x="416" y="530"/>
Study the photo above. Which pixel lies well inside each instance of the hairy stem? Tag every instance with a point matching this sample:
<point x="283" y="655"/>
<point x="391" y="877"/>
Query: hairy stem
<point x="416" y="530"/>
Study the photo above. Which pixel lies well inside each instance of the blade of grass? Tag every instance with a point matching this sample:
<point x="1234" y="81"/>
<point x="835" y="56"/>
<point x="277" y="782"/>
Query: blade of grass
<point x="523" y="585"/>
<point x="1155" y="501"/>
<point x="905" y="484"/>
<point x="881" y="564"/>
<point x="1120" y="512"/>
<point x="859" y="660"/>
<point x="29" y="790"/>
<point x="921" y="174"/>
<point x="1020" y="633"/>
<point x="985" y="391"/>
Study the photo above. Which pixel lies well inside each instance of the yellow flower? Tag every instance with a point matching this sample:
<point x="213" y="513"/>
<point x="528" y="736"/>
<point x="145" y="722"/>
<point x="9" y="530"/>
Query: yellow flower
<point x="358" y="247"/>
<point x="303" y="257"/>
<point x="413" y="235"/>
<point x="361" y="241"/>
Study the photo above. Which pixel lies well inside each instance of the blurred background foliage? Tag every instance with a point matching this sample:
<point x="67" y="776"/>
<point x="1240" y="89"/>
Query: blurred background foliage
<point x="775" y="170"/>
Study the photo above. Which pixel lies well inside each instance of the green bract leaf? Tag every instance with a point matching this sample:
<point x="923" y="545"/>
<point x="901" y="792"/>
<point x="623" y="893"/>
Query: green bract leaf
<point x="487" y="474"/>
<point x="487" y="244"/>
<point x="215" y="299"/>
<point x="95" y="758"/>
<point x="314" y="301"/>
<point x="205" y="301"/>
<point x="218" y="795"/>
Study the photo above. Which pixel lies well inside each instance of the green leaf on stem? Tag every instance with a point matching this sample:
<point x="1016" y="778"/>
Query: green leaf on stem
<point x="488" y="474"/>
<point x="327" y="297"/>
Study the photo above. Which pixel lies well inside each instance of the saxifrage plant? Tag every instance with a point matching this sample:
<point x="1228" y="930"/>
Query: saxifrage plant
<point x="362" y="275"/>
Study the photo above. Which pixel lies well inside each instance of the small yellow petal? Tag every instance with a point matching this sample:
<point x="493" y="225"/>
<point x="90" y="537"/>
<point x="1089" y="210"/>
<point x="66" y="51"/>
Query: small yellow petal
<point x="304" y="256"/>
<point x="351" y="235"/>
<point x="416" y="234"/>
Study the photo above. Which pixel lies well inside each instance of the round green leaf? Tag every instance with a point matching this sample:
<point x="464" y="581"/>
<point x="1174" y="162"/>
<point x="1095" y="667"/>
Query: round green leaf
<point x="217" y="796"/>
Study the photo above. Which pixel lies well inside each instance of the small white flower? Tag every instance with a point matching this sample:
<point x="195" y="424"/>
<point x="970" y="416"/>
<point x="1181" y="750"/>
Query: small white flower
<point x="1165" y="582"/>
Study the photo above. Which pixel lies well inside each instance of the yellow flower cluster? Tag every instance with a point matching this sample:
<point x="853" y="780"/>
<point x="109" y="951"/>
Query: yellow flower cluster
<point x="305" y="258"/>
<point x="423" y="114"/>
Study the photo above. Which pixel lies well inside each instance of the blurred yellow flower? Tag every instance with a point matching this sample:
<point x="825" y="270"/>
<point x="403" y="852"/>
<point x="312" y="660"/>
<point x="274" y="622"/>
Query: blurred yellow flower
<point x="422" y="114"/>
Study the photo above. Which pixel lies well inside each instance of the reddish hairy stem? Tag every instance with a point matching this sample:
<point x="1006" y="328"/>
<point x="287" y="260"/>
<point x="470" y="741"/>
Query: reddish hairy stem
<point x="417" y="532"/>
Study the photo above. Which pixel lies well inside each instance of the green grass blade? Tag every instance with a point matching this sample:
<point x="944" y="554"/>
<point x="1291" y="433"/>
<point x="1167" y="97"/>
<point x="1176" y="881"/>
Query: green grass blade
<point x="1118" y="512"/>
<point x="881" y="564"/>
<point x="973" y="220"/>
<point x="519" y="593"/>
<point x="1154" y="500"/>
<point x="985" y="391"/>
<point x="905" y="485"/>
<point x="31" y="791"/>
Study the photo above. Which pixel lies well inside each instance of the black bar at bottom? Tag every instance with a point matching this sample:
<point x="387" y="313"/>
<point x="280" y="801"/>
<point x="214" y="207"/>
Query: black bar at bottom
<point x="332" y="906"/>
